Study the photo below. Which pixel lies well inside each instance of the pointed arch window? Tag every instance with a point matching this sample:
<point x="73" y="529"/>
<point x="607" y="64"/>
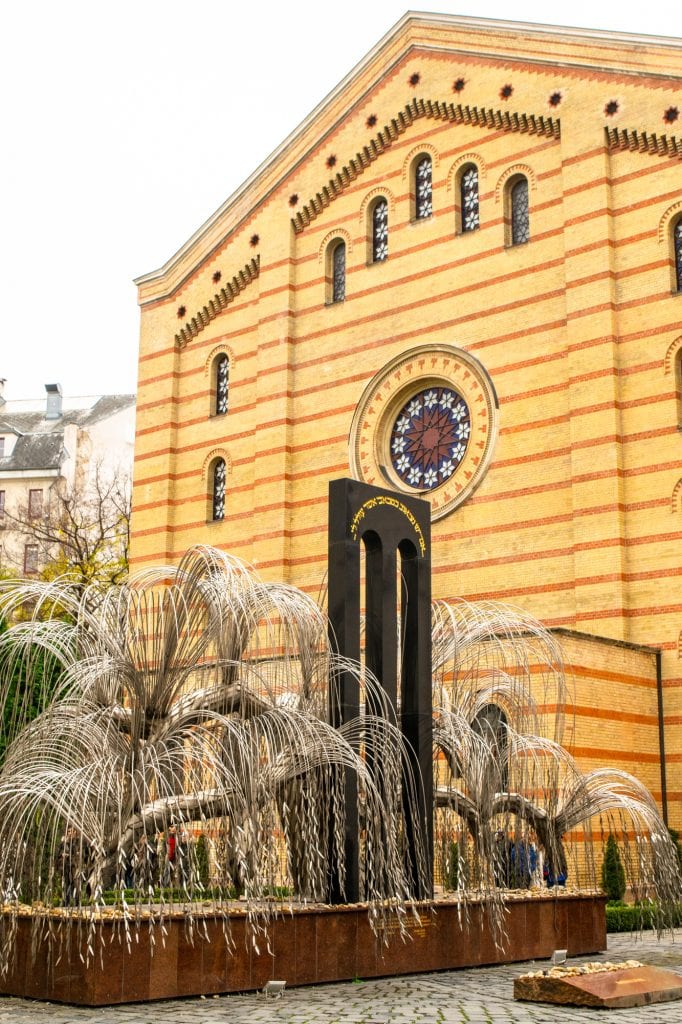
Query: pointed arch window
<point x="335" y="271"/>
<point x="468" y="197"/>
<point x="380" y="231"/>
<point x="218" y="483"/>
<point x="677" y="251"/>
<point x="423" y="188"/>
<point x="519" y="211"/>
<point x="222" y="384"/>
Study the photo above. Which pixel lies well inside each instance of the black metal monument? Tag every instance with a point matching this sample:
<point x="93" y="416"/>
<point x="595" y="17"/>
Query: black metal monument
<point x="395" y="531"/>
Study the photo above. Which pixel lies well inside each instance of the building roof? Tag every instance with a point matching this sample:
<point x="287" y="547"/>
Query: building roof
<point x="35" y="452"/>
<point x="40" y="441"/>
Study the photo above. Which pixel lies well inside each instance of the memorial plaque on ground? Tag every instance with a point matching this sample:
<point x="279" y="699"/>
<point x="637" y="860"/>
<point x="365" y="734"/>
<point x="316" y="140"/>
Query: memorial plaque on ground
<point x="615" y="988"/>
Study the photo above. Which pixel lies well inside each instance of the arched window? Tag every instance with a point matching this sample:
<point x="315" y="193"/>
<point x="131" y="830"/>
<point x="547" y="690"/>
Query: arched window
<point x="490" y="724"/>
<point x="677" y="251"/>
<point x="221" y="384"/>
<point x="468" y="198"/>
<point x="678" y="387"/>
<point x="218" y="481"/>
<point x="379" y="231"/>
<point x="423" y="188"/>
<point x="519" y="216"/>
<point x="336" y="271"/>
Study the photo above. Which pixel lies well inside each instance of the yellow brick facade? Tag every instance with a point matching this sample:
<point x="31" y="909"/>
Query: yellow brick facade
<point x="579" y="515"/>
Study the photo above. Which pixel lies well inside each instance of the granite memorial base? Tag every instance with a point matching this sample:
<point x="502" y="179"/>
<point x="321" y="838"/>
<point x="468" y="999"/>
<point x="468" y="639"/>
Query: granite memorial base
<point x="307" y="946"/>
<point x="618" y="989"/>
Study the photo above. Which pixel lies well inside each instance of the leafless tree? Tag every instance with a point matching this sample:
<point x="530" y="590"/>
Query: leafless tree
<point x="82" y="531"/>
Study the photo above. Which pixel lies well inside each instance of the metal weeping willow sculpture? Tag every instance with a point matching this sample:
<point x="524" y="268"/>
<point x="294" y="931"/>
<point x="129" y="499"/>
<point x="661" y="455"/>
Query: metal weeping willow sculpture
<point x="201" y="698"/>
<point x="191" y="695"/>
<point x="504" y="782"/>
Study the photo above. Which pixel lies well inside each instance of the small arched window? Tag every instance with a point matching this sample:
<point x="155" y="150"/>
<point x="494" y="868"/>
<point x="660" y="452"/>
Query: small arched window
<point x="336" y="271"/>
<point x="677" y="253"/>
<point x="379" y="231"/>
<point x="468" y="198"/>
<point x="221" y="384"/>
<point x="423" y="188"/>
<point x="519" y="215"/>
<point x="218" y="482"/>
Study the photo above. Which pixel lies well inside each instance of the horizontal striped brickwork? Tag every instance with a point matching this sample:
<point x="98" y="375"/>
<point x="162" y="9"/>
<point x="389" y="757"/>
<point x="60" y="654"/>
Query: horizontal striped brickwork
<point x="575" y="518"/>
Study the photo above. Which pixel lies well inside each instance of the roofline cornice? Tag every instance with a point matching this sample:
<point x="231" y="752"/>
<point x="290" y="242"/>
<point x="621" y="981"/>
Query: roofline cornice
<point x="410" y="20"/>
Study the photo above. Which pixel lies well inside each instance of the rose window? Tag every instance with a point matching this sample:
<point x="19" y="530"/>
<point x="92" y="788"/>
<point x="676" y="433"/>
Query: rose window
<point x="430" y="436"/>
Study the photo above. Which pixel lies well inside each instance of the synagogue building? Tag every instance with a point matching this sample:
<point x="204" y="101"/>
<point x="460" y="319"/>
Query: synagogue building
<point x="460" y="278"/>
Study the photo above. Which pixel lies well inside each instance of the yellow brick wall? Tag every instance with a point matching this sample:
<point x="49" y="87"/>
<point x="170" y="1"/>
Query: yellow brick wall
<point x="574" y="519"/>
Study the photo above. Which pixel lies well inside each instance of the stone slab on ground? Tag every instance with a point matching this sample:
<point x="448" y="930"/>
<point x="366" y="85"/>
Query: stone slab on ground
<point x="616" y="989"/>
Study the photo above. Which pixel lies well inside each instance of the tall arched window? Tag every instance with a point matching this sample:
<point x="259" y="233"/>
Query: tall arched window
<point x="423" y="188"/>
<point x="380" y="231"/>
<point x="221" y="384"/>
<point x="218" y="482"/>
<point x="519" y="215"/>
<point x="677" y="251"/>
<point x="490" y="723"/>
<point x="678" y="387"/>
<point x="468" y="198"/>
<point x="336" y="271"/>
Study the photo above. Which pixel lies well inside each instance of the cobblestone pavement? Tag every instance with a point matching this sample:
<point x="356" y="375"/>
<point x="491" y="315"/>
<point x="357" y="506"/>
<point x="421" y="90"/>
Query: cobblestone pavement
<point x="480" y="996"/>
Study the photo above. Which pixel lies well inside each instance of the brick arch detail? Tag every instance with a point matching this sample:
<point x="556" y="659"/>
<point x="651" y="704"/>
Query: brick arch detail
<point x="216" y="453"/>
<point x="374" y="194"/>
<point x="468" y="158"/>
<point x="521" y="169"/>
<point x="669" y="215"/>
<point x="340" y="233"/>
<point x="214" y="353"/>
<point x="677" y="496"/>
<point x="669" y="360"/>
<point x="425" y="148"/>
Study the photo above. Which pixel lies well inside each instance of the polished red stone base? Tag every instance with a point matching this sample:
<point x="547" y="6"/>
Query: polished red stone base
<point x="310" y="946"/>
<point x="610" y="990"/>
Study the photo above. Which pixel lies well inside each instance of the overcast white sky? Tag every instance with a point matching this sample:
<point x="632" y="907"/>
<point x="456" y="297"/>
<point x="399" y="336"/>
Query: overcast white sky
<point x="126" y="124"/>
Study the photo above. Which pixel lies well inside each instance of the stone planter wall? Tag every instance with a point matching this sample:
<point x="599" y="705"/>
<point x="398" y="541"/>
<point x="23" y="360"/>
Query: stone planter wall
<point x="310" y="946"/>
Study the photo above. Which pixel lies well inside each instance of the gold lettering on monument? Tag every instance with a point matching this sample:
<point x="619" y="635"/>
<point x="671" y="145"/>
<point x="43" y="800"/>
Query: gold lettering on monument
<point x="386" y="499"/>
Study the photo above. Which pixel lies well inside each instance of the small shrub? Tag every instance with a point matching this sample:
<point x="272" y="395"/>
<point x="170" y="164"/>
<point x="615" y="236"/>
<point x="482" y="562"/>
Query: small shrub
<point x="612" y="871"/>
<point x="623" y="917"/>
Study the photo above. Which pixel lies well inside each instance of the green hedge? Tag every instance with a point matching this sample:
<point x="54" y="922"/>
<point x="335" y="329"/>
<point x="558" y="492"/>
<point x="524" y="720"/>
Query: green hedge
<point x="111" y="897"/>
<point x="623" y="917"/>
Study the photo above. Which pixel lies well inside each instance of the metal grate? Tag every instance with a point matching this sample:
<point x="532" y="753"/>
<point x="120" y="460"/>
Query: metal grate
<point x="339" y="273"/>
<point x="469" y="199"/>
<point x="222" y="385"/>
<point x="380" y="231"/>
<point x="520" y="217"/>
<point x="219" y="477"/>
<point x="424" y="188"/>
<point x="677" y="242"/>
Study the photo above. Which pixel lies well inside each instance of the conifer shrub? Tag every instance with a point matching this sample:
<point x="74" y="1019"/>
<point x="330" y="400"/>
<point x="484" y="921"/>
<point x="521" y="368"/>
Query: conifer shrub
<point x="613" y="872"/>
<point x="201" y="854"/>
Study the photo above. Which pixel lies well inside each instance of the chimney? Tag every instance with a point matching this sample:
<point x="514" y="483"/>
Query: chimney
<point x="53" y="409"/>
<point x="3" y="381"/>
